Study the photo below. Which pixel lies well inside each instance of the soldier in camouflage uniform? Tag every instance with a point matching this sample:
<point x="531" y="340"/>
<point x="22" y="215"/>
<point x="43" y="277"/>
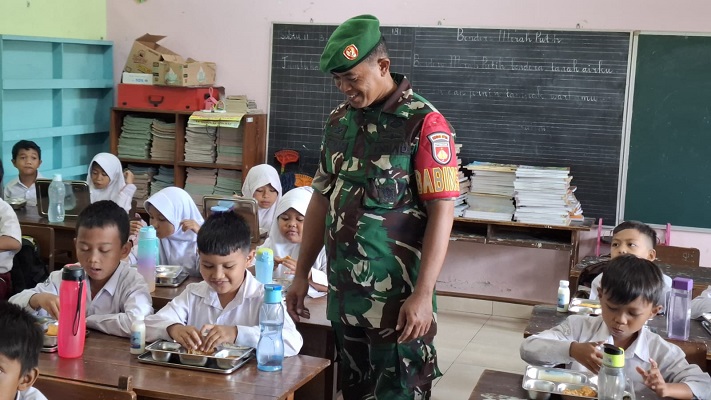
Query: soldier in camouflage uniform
<point x="382" y="203"/>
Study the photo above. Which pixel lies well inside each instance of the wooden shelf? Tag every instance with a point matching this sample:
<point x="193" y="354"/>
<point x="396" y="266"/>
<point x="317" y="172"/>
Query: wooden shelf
<point x="209" y="165"/>
<point x="146" y="161"/>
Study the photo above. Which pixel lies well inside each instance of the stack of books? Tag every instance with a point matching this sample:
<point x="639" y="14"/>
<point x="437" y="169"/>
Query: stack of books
<point x="544" y="196"/>
<point x="490" y="196"/>
<point x="200" y="182"/>
<point x="229" y="182"/>
<point x="135" y="139"/>
<point x="200" y="143"/>
<point x="464" y="184"/>
<point x="142" y="177"/>
<point x="229" y="145"/>
<point x="164" y="179"/>
<point x="163" y="147"/>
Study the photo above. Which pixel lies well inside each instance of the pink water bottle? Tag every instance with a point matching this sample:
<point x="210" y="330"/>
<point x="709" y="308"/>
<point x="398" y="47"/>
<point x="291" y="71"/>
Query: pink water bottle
<point x="72" y="312"/>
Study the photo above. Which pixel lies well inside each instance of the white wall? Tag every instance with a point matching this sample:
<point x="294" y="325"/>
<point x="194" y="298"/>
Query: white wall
<point x="236" y="35"/>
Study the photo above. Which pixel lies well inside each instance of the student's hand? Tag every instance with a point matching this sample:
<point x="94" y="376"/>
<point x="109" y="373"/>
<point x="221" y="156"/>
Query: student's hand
<point x="415" y="317"/>
<point x="188" y="336"/>
<point x="128" y="177"/>
<point x="215" y="335"/>
<point x="289" y="263"/>
<point x="46" y="301"/>
<point x="136" y="225"/>
<point x="588" y="354"/>
<point x="189" y="224"/>
<point x="295" y="299"/>
<point x="653" y="379"/>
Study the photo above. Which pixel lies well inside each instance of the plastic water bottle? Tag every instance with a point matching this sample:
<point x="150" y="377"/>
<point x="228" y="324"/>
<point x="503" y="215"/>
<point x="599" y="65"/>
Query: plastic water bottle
<point x="56" y="199"/>
<point x="72" y="312"/>
<point x="138" y="335"/>
<point x="611" y="378"/>
<point x="147" y="255"/>
<point x="264" y="265"/>
<point x="270" y="349"/>
<point x="679" y="313"/>
<point x="563" y="296"/>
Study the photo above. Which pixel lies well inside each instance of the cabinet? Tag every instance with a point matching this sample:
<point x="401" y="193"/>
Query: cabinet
<point x="254" y="143"/>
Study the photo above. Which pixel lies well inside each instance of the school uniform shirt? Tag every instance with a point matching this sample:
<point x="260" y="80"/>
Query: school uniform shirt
<point x="30" y="394"/>
<point x="16" y="189"/>
<point x="180" y="248"/>
<point x="199" y="305"/>
<point x="258" y="176"/>
<point x="9" y="226"/>
<point x="595" y="286"/>
<point x="124" y="296"/>
<point x="701" y="304"/>
<point x="117" y="191"/>
<point x="552" y="347"/>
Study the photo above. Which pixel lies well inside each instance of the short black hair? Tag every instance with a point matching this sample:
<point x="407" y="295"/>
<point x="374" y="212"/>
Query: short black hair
<point x="224" y="233"/>
<point x="20" y="336"/>
<point x="102" y="214"/>
<point x="628" y="277"/>
<point x="640" y="227"/>
<point x="379" y="51"/>
<point x="25" y="145"/>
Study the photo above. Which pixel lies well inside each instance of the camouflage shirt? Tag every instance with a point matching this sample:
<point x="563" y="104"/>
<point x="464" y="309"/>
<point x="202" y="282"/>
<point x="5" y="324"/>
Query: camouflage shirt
<point x="378" y="165"/>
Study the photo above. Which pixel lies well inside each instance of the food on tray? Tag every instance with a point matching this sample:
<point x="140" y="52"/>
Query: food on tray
<point x="52" y="330"/>
<point x="585" y="391"/>
<point x="201" y="353"/>
<point x="588" y="304"/>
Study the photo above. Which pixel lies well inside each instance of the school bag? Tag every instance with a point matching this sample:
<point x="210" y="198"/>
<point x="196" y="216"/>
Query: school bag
<point x="588" y="275"/>
<point x="28" y="269"/>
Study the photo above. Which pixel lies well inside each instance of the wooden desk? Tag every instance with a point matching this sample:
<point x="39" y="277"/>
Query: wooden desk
<point x="506" y="385"/>
<point x="107" y="357"/>
<point x="64" y="233"/>
<point x="545" y="317"/>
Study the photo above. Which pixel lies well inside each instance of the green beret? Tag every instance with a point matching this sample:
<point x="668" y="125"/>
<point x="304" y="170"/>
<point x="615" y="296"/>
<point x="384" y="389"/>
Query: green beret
<point x="350" y="44"/>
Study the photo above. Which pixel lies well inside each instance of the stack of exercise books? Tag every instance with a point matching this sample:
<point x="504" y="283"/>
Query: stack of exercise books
<point x="164" y="179"/>
<point x="229" y="182"/>
<point x="200" y="143"/>
<point x="544" y="196"/>
<point x="142" y="177"/>
<point x="135" y="139"/>
<point x="200" y="182"/>
<point x="490" y="196"/>
<point x="163" y="147"/>
<point x="229" y="145"/>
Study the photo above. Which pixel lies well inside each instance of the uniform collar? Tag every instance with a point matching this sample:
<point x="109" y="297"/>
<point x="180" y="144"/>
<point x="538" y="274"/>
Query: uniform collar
<point x="112" y="283"/>
<point x="401" y="95"/>
<point x="250" y="288"/>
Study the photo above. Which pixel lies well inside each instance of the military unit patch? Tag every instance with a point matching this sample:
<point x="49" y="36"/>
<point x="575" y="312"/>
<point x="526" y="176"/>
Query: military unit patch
<point x="350" y="52"/>
<point x="441" y="148"/>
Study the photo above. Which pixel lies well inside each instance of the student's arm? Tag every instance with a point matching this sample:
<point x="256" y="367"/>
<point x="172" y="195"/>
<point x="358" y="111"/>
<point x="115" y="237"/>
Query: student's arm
<point x="550" y="347"/>
<point x="8" y="243"/>
<point x="10" y="232"/>
<point x="701" y="304"/>
<point x="29" y="298"/>
<point x="135" y="300"/>
<point x="175" y="312"/>
<point x="125" y="196"/>
<point x="674" y="376"/>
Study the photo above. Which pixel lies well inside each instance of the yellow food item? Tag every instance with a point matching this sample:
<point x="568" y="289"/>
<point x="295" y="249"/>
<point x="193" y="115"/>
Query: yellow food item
<point x="591" y="305"/>
<point x="586" y="391"/>
<point x="52" y="330"/>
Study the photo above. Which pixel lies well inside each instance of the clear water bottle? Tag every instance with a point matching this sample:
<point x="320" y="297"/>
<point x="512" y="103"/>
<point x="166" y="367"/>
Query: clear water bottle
<point x="270" y="349"/>
<point x="55" y="213"/>
<point x="611" y="378"/>
<point x="679" y="313"/>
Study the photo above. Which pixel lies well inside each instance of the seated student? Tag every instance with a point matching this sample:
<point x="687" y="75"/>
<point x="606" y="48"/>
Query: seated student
<point x="630" y="295"/>
<point x="27" y="158"/>
<point x="224" y="308"/>
<point x="701" y="304"/>
<point x="285" y="236"/>
<point x="107" y="182"/>
<point x="177" y="221"/>
<point x="263" y="184"/>
<point x="20" y="345"/>
<point x="116" y="293"/>
<point x="10" y="243"/>
<point x="632" y="237"/>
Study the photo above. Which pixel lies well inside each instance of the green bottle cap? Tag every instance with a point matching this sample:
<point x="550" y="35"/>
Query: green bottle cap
<point x="613" y="356"/>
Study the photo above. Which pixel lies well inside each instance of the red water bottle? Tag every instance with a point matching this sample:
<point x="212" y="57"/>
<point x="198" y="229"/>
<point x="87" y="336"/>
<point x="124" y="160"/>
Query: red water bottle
<point x="72" y="312"/>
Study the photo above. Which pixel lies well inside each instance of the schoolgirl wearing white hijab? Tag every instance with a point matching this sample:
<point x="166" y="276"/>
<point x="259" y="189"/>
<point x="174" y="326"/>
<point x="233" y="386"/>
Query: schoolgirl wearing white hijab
<point x="106" y="181"/>
<point x="177" y="220"/>
<point x="286" y="234"/>
<point x="262" y="183"/>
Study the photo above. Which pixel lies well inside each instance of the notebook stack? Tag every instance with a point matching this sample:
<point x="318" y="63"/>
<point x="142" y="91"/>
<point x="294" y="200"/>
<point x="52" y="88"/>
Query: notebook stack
<point x="490" y="196"/>
<point x="229" y="182"/>
<point x="199" y="183"/>
<point x="163" y="147"/>
<point x="135" y="139"/>
<point x="200" y="144"/>
<point x="464" y="185"/>
<point x="142" y="177"/>
<point x="544" y="196"/>
<point x="164" y="179"/>
<point x="229" y="145"/>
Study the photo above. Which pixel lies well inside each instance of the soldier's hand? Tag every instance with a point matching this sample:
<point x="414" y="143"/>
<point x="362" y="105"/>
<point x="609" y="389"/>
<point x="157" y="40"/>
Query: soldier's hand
<point x="295" y="299"/>
<point x="415" y="317"/>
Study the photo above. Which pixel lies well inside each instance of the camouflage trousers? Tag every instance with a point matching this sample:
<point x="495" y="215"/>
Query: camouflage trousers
<point x="374" y="366"/>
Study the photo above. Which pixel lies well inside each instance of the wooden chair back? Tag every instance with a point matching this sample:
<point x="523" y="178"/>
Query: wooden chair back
<point x="64" y="389"/>
<point x="44" y="237"/>
<point x="695" y="352"/>
<point x="686" y="256"/>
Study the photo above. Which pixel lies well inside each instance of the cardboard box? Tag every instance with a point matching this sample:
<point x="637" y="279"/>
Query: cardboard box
<point x="188" y="73"/>
<point x="145" y="52"/>
<point x="134" y="78"/>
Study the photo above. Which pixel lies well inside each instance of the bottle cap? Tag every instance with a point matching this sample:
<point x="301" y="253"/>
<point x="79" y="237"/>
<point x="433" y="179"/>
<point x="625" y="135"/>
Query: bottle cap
<point x="57" y="177"/>
<point x="564" y="283"/>
<point x="219" y="209"/>
<point x="682" y="283"/>
<point x="147" y="232"/>
<point x="265" y="254"/>
<point x="73" y="272"/>
<point x="613" y="356"/>
<point x="272" y="293"/>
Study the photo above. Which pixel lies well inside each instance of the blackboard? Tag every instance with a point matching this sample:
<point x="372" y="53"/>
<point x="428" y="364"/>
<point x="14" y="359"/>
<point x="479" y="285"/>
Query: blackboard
<point x="549" y="98"/>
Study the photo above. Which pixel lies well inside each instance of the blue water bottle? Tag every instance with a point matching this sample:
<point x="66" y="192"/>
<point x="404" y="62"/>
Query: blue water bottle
<point x="148" y="255"/>
<point x="270" y="349"/>
<point x="264" y="265"/>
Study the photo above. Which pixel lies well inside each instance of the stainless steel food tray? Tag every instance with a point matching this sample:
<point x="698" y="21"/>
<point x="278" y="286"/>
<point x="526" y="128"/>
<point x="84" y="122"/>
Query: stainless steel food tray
<point x="247" y="353"/>
<point x="171" y="281"/>
<point x="585" y="306"/>
<point x="557" y="380"/>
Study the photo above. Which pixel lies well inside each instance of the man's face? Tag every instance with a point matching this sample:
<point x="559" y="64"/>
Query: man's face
<point x="366" y="83"/>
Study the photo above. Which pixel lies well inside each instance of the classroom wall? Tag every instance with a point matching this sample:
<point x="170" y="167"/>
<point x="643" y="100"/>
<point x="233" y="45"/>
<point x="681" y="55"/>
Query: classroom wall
<point x="236" y="35"/>
<point x="76" y="19"/>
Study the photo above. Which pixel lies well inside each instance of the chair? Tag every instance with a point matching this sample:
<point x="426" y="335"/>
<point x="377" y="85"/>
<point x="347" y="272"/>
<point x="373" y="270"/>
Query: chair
<point x="686" y="256"/>
<point x="695" y="352"/>
<point x="64" y="389"/>
<point x="44" y="237"/>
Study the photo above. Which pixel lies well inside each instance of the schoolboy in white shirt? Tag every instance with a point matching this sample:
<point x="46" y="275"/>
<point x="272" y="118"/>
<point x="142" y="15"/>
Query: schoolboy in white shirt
<point x="10" y="243"/>
<point x="701" y="304"/>
<point x="630" y="295"/>
<point x="224" y="308"/>
<point x="116" y="293"/>
<point x="27" y="158"/>
<point x="20" y="344"/>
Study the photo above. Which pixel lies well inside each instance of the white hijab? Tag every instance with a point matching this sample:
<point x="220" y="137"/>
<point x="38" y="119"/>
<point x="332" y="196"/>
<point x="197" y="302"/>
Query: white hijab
<point x="112" y="166"/>
<point x="298" y="199"/>
<point x="180" y="248"/>
<point x="258" y="176"/>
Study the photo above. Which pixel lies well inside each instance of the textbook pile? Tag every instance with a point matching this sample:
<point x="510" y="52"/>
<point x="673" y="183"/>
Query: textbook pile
<point x="491" y="192"/>
<point x="544" y="196"/>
